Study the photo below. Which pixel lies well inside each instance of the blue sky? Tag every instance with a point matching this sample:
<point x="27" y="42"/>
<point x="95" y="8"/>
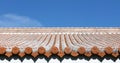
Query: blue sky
<point x="59" y="13"/>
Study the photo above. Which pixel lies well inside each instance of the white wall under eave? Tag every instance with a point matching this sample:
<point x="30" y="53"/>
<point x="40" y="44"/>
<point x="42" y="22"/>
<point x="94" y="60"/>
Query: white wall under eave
<point x="57" y="61"/>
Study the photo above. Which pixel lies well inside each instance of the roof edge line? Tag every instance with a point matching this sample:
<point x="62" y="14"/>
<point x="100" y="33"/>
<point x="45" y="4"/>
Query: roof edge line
<point x="59" y="27"/>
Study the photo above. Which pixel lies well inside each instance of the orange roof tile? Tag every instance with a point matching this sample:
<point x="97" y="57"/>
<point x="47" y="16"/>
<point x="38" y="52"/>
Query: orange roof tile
<point x="60" y="41"/>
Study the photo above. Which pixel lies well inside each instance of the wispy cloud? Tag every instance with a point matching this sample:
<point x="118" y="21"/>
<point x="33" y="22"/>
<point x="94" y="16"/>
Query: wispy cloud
<point x="13" y="20"/>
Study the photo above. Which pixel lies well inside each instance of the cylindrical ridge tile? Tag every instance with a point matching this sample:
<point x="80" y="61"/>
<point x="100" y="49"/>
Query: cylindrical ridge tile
<point x="41" y="50"/>
<point x="74" y="54"/>
<point x="48" y="54"/>
<point x="21" y="54"/>
<point x="108" y="50"/>
<point x="2" y="50"/>
<point x="34" y="54"/>
<point x="95" y="50"/>
<point x="115" y="54"/>
<point x="81" y="50"/>
<point x="68" y="50"/>
<point x="28" y="50"/>
<point x="61" y="54"/>
<point x="8" y="54"/>
<point x="101" y="54"/>
<point x="15" y="50"/>
<point x="54" y="50"/>
<point x="88" y="54"/>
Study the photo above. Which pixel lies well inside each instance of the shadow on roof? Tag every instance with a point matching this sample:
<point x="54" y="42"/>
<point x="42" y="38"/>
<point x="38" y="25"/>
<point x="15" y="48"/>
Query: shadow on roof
<point x="108" y="57"/>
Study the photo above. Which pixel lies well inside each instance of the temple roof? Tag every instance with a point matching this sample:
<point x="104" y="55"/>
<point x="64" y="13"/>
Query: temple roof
<point x="60" y="41"/>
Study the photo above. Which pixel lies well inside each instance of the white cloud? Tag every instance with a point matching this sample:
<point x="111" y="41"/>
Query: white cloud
<point x="12" y="20"/>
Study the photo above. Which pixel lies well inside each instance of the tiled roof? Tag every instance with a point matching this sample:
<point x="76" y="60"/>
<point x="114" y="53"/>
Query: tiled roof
<point x="60" y="41"/>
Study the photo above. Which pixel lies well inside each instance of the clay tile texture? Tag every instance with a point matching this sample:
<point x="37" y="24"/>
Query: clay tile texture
<point x="60" y="41"/>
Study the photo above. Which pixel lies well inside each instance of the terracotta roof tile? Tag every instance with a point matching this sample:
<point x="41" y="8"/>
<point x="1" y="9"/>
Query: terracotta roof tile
<point x="60" y="41"/>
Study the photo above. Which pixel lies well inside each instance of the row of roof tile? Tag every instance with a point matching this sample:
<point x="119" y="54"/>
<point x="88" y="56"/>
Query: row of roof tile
<point x="78" y="41"/>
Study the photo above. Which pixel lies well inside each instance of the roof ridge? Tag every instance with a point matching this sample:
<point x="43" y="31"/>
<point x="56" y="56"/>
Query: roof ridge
<point x="57" y="27"/>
